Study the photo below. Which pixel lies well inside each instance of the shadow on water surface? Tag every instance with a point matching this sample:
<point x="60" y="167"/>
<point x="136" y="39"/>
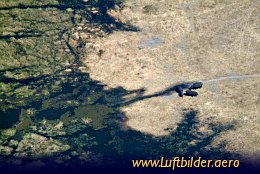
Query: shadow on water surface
<point x="8" y="118"/>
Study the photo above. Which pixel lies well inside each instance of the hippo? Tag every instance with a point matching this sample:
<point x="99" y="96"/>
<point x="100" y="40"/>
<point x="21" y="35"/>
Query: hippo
<point x="188" y="87"/>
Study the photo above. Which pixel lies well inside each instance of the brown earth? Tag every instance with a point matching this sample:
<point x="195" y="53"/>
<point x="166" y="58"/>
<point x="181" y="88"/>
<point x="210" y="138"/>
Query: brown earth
<point x="187" y="41"/>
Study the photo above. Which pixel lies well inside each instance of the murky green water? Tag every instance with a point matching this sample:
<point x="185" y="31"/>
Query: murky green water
<point x="65" y="118"/>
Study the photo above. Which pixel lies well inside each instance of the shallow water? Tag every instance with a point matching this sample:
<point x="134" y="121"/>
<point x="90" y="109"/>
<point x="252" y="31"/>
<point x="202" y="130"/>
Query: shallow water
<point x="151" y="42"/>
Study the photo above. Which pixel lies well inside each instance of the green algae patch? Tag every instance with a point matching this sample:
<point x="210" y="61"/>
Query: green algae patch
<point x="50" y="128"/>
<point x="25" y="124"/>
<point x="7" y="133"/>
<point x="5" y="150"/>
<point x="34" y="145"/>
<point x="65" y="118"/>
<point x="10" y="3"/>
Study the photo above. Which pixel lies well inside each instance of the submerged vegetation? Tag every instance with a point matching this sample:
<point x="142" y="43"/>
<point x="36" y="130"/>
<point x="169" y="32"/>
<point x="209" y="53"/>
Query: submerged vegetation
<point x="52" y="111"/>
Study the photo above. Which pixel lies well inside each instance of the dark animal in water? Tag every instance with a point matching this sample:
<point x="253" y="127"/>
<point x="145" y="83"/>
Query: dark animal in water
<point x="196" y="85"/>
<point x="191" y="93"/>
<point x="179" y="90"/>
<point x="188" y="86"/>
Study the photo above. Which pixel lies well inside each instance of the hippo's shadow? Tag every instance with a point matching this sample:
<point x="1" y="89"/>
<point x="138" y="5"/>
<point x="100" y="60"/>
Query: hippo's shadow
<point x="140" y="94"/>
